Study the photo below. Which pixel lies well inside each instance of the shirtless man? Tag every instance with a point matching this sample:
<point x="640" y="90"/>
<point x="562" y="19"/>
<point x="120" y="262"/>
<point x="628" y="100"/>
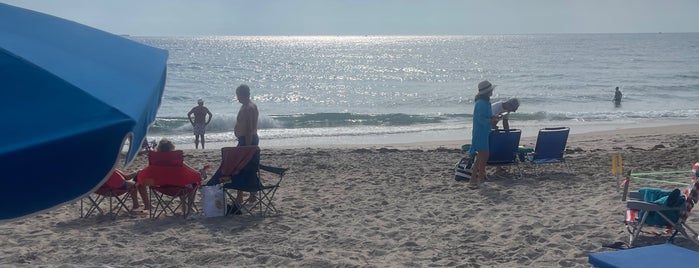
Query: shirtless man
<point x="246" y="122"/>
<point x="246" y="129"/>
<point x="199" y="123"/>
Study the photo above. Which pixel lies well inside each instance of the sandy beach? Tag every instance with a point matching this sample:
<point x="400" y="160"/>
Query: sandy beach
<point x="380" y="206"/>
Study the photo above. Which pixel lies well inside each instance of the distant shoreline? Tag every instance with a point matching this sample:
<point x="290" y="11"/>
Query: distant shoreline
<point x="451" y="138"/>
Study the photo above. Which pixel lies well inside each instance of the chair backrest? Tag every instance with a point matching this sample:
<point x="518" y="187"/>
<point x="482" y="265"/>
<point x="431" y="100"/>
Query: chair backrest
<point x="168" y="168"/>
<point x="115" y="181"/>
<point x="691" y="195"/>
<point x="112" y="187"/>
<point x="242" y="164"/>
<point x="503" y="146"/>
<point x="234" y="159"/>
<point x="551" y="144"/>
<point x="166" y="159"/>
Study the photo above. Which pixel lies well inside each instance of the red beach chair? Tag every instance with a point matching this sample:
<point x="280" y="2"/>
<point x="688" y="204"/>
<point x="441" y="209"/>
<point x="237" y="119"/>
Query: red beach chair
<point x="169" y="179"/>
<point x="110" y="192"/>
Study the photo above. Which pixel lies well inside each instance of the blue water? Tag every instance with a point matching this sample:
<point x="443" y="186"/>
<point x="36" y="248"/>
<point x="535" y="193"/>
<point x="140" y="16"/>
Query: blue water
<point x="314" y="90"/>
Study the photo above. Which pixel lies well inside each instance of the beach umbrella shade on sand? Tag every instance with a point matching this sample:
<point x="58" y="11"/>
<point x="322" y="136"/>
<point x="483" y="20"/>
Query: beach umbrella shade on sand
<point x="72" y="97"/>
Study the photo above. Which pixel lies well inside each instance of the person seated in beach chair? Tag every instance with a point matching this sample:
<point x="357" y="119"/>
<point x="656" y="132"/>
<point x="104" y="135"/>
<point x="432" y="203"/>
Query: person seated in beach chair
<point x="117" y="185"/>
<point x="128" y="182"/>
<point x="135" y="190"/>
<point x="167" y="174"/>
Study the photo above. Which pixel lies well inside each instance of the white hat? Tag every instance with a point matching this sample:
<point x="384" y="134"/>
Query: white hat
<point x="485" y="87"/>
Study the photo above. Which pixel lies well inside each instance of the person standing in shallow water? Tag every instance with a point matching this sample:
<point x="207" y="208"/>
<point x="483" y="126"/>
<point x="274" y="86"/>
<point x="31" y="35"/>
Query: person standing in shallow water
<point x="199" y="123"/>
<point x="617" y="97"/>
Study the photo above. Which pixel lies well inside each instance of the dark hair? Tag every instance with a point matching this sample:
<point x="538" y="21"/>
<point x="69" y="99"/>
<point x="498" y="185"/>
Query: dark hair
<point x="483" y="96"/>
<point x="243" y="90"/>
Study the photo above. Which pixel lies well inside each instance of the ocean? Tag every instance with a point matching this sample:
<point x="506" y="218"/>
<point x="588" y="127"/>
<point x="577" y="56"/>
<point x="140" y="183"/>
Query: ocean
<point x="374" y="90"/>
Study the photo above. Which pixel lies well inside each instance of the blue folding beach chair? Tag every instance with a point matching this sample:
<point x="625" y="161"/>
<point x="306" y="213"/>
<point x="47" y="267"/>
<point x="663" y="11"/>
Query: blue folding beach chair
<point x="503" y="145"/>
<point x="550" y="146"/>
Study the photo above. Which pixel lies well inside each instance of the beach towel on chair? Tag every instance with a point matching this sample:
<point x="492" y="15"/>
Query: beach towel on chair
<point x="663" y="198"/>
<point x="237" y="158"/>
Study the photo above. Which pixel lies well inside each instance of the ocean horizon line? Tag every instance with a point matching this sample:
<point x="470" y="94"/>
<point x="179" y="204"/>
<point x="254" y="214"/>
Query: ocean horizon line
<point x="399" y="35"/>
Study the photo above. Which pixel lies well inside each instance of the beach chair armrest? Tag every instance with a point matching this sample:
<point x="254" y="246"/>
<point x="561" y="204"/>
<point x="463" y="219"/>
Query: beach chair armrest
<point x="645" y="206"/>
<point x="635" y="196"/>
<point x="275" y="170"/>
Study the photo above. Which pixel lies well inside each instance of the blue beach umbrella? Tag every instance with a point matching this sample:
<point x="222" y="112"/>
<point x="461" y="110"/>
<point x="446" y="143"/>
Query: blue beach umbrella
<point x="71" y="97"/>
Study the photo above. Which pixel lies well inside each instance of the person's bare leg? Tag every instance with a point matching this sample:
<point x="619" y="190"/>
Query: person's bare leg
<point x="183" y="205"/>
<point x="484" y="155"/>
<point x="202" y="141"/>
<point x="187" y="200"/>
<point x="190" y="200"/>
<point x="239" y="197"/>
<point x="196" y="141"/>
<point x="478" y="171"/>
<point x="143" y="190"/>
<point x="133" y="192"/>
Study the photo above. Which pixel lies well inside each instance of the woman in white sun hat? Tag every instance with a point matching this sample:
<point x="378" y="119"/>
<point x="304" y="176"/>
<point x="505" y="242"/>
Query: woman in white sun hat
<point x="482" y="122"/>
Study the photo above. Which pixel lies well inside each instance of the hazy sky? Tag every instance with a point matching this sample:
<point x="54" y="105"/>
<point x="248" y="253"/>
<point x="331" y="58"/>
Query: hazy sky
<point x="373" y="17"/>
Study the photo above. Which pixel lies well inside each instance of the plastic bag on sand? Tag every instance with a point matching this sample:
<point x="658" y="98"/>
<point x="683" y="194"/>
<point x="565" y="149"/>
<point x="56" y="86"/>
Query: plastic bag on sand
<point x="213" y="201"/>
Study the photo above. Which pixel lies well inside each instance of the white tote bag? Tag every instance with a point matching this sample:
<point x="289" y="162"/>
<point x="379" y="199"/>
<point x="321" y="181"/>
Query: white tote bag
<point x="212" y="201"/>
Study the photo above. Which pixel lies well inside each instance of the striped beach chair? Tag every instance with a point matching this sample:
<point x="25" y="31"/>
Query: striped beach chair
<point x="638" y="210"/>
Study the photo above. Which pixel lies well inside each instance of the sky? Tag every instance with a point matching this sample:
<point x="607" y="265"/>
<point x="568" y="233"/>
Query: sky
<point x="373" y="17"/>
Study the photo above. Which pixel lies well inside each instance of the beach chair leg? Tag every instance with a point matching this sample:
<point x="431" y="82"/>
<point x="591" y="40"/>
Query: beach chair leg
<point x="95" y="206"/>
<point x="694" y="236"/>
<point x="266" y="198"/>
<point x="637" y="230"/>
<point x="519" y="171"/>
<point x="121" y="204"/>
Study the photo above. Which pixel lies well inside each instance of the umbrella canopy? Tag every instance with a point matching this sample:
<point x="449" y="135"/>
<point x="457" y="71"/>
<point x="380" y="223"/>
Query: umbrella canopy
<point x="72" y="95"/>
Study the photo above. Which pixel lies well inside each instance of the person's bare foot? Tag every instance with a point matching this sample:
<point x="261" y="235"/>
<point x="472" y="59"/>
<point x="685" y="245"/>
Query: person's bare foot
<point x="252" y="199"/>
<point x="224" y="179"/>
<point x="138" y="213"/>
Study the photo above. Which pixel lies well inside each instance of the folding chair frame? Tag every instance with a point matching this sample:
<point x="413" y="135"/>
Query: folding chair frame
<point x="680" y="226"/>
<point x="165" y="203"/>
<point x="264" y="195"/>
<point x="98" y="197"/>
<point x="169" y="178"/>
